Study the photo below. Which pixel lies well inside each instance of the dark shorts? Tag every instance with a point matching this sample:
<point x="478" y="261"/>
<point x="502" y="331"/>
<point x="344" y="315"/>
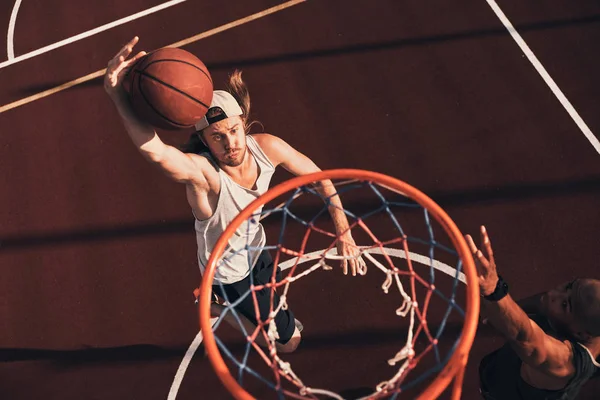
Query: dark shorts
<point x="261" y="274"/>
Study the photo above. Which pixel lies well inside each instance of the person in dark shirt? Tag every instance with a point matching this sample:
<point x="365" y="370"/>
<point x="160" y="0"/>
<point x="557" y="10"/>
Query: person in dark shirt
<point x="553" y="338"/>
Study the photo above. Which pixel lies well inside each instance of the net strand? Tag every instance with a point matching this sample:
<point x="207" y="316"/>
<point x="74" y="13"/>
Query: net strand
<point x="407" y="358"/>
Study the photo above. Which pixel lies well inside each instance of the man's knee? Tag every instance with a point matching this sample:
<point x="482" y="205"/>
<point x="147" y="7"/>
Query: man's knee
<point x="216" y="310"/>
<point x="291" y="344"/>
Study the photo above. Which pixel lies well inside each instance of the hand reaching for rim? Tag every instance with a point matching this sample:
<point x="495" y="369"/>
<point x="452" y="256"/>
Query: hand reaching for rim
<point x="484" y="262"/>
<point x="347" y="248"/>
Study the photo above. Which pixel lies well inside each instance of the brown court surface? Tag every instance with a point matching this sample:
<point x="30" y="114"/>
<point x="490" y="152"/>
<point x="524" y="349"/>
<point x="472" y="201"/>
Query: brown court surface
<point x="97" y="250"/>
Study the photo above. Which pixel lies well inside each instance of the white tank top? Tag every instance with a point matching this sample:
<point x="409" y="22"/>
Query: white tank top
<point x="233" y="198"/>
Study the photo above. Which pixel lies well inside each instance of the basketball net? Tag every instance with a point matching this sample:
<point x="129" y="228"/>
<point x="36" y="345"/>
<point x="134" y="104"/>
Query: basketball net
<point x="388" y="219"/>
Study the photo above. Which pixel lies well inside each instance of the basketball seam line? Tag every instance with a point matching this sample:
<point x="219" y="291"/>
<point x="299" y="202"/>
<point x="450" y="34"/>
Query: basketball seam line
<point x="171" y="87"/>
<point x="152" y="106"/>
<point x="180" y="61"/>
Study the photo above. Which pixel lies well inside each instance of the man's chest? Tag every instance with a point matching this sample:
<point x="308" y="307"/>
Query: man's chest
<point x="248" y="176"/>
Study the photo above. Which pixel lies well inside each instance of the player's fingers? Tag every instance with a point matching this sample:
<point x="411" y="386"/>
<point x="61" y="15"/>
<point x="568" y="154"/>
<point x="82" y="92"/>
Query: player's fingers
<point x="482" y="260"/>
<point x="123" y="54"/>
<point x="345" y="267"/>
<point x="135" y="58"/>
<point x="134" y="41"/>
<point x="126" y="64"/>
<point x="114" y="64"/>
<point x="111" y="75"/>
<point x="129" y="63"/>
<point x="118" y="67"/>
<point x="128" y="48"/>
<point x="481" y="269"/>
<point x="353" y="267"/>
<point x="487" y="243"/>
<point x="471" y="244"/>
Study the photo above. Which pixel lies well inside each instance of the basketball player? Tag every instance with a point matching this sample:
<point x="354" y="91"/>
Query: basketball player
<point x="549" y="353"/>
<point x="226" y="170"/>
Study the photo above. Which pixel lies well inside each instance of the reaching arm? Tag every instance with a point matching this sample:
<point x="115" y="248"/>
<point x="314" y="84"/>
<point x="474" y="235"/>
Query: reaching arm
<point x="178" y="166"/>
<point x="181" y="167"/>
<point x="533" y="346"/>
<point x="530" y="305"/>
<point x="281" y="153"/>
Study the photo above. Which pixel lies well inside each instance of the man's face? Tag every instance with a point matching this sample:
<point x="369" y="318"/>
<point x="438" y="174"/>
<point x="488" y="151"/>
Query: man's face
<point x="570" y="305"/>
<point x="226" y="141"/>
<point x="558" y="304"/>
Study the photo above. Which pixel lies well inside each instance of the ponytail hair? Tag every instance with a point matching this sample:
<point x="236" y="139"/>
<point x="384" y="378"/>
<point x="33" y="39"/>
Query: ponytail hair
<point x="238" y="89"/>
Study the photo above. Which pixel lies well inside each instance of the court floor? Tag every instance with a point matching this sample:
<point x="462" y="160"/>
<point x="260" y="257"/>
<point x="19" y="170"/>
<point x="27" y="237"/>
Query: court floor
<point x="489" y="108"/>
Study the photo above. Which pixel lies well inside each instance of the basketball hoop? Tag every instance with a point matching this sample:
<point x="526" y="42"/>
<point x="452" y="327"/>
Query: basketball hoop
<point x="379" y="200"/>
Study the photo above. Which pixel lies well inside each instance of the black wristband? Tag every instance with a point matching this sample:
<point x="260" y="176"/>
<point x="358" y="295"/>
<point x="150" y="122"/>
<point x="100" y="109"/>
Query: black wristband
<point x="500" y="292"/>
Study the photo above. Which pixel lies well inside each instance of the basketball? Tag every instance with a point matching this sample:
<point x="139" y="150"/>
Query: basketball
<point x="169" y="88"/>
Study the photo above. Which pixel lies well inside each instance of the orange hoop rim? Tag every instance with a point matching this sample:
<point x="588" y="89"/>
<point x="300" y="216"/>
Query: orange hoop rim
<point x="458" y="361"/>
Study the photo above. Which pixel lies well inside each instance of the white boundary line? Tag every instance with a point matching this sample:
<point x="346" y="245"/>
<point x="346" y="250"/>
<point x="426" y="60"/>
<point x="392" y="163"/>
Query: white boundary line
<point x="10" y="50"/>
<point x="187" y="358"/>
<point x="45" y="49"/>
<point x="184" y="42"/>
<point x="544" y="74"/>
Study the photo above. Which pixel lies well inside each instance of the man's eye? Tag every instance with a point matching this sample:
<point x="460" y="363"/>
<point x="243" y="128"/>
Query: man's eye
<point x="564" y="304"/>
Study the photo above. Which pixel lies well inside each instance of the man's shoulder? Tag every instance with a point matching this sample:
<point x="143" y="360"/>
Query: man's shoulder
<point x="275" y="148"/>
<point x="264" y="139"/>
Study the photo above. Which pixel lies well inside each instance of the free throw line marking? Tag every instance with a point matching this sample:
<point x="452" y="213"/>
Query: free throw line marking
<point x="545" y="76"/>
<point x="192" y="39"/>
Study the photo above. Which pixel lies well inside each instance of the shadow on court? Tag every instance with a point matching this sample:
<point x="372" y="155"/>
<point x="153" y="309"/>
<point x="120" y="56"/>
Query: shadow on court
<point x="481" y="195"/>
<point x="148" y="352"/>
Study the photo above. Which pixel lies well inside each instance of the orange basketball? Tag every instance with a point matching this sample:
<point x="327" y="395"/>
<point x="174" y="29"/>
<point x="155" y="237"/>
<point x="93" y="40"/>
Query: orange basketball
<point x="169" y="88"/>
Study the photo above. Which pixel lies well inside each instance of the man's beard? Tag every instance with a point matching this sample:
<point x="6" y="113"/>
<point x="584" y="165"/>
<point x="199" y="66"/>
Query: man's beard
<point x="234" y="162"/>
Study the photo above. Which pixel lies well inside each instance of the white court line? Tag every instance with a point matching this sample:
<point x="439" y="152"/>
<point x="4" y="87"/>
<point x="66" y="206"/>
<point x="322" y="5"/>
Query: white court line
<point x="184" y="42"/>
<point x="544" y="74"/>
<point x="185" y="363"/>
<point x="10" y="50"/>
<point x="418" y="258"/>
<point x="84" y="35"/>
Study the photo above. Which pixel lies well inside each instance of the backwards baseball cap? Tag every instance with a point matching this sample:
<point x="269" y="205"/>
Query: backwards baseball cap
<point x="223" y="106"/>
